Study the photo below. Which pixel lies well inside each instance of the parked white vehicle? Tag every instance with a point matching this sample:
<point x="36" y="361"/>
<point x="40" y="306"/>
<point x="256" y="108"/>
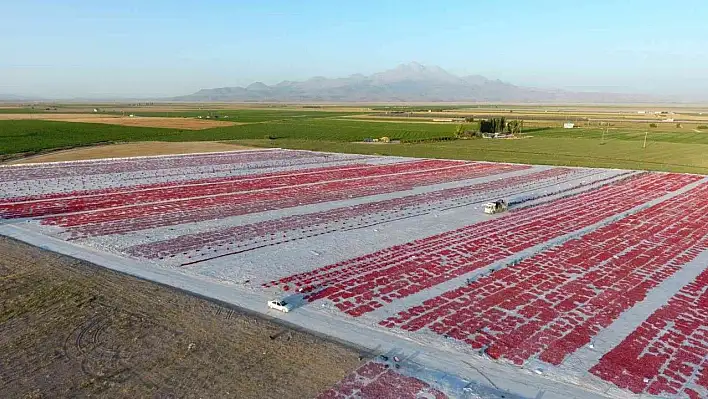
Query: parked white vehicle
<point x="280" y="305"/>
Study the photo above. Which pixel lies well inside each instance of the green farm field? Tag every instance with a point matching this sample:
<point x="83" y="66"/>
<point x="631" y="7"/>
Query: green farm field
<point x="621" y="146"/>
<point x="666" y="135"/>
<point x="622" y="154"/>
<point x="22" y="136"/>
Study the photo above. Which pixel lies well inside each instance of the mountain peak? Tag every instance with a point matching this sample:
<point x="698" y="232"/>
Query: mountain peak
<point x="412" y="66"/>
<point x="257" y="86"/>
<point x="414" y="71"/>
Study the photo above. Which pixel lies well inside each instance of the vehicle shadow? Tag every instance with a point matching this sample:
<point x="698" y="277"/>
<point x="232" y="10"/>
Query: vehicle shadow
<point x="296" y="300"/>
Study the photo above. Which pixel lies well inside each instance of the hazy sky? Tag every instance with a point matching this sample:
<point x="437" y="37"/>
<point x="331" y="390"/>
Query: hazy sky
<point x="161" y="48"/>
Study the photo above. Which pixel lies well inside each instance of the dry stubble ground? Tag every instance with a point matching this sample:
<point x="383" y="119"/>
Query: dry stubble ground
<point x="69" y="328"/>
<point x="139" y="149"/>
<point x="156" y="121"/>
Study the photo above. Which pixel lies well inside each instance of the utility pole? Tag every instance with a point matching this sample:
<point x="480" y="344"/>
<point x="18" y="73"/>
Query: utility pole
<point x="645" y="139"/>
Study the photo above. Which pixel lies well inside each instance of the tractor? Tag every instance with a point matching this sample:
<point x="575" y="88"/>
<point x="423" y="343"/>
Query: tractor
<point x="498" y="206"/>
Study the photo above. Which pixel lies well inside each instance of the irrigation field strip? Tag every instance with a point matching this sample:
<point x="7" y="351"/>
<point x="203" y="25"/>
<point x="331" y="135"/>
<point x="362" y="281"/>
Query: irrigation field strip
<point x="418" y="298"/>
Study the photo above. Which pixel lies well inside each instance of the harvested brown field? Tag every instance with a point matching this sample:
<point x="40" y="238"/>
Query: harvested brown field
<point x="164" y="122"/>
<point x="144" y="148"/>
<point x="72" y="329"/>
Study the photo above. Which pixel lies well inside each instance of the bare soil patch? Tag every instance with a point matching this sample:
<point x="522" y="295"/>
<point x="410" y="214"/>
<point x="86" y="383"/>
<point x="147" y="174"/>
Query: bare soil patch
<point x="164" y="122"/>
<point x="143" y="148"/>
<point x="72" y="329"/>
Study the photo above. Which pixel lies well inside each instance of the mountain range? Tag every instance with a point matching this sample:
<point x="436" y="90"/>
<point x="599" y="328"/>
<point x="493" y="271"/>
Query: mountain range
<point x="410" y="82"/>
<point x="15" y="97"/>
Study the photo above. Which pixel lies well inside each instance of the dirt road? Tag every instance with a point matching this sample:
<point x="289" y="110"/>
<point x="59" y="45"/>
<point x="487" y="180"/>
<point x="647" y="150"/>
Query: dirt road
<point x="69" y="328"/>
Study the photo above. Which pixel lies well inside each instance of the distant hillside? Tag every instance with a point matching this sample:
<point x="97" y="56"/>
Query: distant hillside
<point x="15" y="98"/>
<point x="411" y="82"/>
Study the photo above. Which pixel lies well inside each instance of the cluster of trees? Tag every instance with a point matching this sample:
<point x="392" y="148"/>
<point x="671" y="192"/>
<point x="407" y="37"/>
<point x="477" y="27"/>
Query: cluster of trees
<point x="494" y="125"/>
<point x="465" y="132"/>
<point x="500" y="125"/>
<point x="514" y="127"/>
